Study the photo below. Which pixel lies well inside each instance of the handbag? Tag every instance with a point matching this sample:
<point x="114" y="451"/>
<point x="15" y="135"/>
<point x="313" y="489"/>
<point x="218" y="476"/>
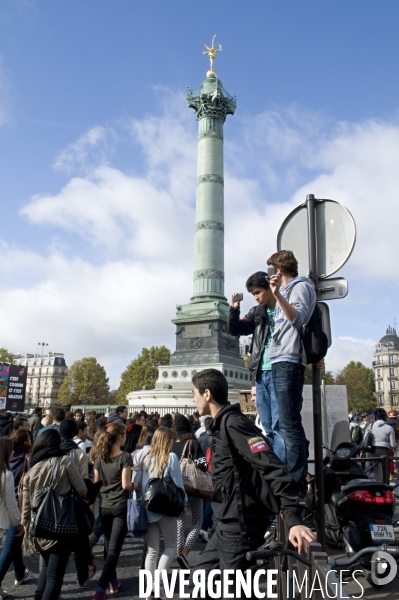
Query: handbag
<point x="53" y="515"/>
<point x="196" y="482"/>
<point x="164" y="497"/>
<point x="84" y="515"/>
<point x="136" y="515"/>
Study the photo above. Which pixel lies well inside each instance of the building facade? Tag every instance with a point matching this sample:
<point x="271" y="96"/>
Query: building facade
<point x="386" y="366"/>
<point x="45" y="376"/>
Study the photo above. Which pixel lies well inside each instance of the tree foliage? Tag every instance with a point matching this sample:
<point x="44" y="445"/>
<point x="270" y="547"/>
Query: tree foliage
<point x="6" y="356"/>
<point x="328" y="377"/>
<point x="359" y="381"/>
<point x="143" y="370"/>
<point x="86" y="380"/>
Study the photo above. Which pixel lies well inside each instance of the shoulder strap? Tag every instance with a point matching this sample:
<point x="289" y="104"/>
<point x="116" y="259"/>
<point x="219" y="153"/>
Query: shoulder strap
<point x="54" y="472"/>
<point x="183" y="454"/>
<point x="226" y="441"/>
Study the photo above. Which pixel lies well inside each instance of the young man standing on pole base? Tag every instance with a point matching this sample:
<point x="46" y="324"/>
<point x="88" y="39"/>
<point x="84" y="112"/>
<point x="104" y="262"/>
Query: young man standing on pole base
<point x="296" y="300"/>
<point x="259" y="323"/>
<point x="251" y="484"/>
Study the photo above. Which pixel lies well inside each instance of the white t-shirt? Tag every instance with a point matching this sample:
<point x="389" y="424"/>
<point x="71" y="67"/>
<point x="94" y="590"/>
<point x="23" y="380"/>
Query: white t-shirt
<point x="80" y="443"/>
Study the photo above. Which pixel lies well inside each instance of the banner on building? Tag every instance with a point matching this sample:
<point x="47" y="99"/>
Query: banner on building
<point x="12" y="386"/>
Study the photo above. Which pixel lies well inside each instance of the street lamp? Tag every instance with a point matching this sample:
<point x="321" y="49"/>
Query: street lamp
<point x="42" y="344"/>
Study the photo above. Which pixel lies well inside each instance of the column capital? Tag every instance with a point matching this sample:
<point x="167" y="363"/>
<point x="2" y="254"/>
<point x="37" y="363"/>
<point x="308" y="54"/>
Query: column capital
<point x="211" y="100"/>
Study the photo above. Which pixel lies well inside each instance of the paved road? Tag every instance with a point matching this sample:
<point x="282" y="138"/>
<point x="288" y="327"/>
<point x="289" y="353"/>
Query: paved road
<point x="128" y="572"/>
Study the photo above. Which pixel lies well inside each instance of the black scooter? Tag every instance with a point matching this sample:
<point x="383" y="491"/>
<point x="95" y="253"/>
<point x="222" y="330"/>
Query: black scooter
<point x="359" y="511"/>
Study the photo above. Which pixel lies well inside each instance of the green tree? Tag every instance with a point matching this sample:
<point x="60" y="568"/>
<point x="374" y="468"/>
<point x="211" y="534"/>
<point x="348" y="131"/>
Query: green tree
<point x="6" y="356"/>
<point x="86" y="380"/>
<point x="326" y="375"/>
<point x="143" y="370"/>
<point x="359" y="381"/>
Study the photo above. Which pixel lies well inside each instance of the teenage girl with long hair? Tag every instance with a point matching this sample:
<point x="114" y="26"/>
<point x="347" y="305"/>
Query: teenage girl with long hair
<point x="10" y="518"/>
<point x="160" y="459"/>
<point x="185" y="444"/>
<point x="113" y="467"/>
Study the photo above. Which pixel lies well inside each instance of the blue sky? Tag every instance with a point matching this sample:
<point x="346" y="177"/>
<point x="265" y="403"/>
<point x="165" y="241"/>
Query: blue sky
<point x="98" y="151"/>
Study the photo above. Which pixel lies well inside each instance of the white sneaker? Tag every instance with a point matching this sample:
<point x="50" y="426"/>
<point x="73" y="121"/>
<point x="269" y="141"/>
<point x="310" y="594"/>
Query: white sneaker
<point x="204" y="535"/>
<point x="24" y="578"/>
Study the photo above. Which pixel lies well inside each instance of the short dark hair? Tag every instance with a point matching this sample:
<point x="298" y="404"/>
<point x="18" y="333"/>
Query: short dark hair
<point x="214" y="381"/>
<point x="78" y="410"/>
<point x="81" y="425"/>
<point x="120" y="409"/>
<point x="284" y="260"/>
<point x="18" y="422"/>
<point x="256" y="280"/>
<point x="59" y="414"/>
<point x="38" y="410"/>
<point x="381" y="414"/>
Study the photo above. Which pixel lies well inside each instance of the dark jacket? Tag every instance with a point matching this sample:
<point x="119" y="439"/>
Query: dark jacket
<point x="266" y="485"/>
<point x="205" y="440"/>
<point x="17" y="464"/>
<point x="133" y="432"/>
<point x="6" y="428"/>
<point x="255" y="323"/>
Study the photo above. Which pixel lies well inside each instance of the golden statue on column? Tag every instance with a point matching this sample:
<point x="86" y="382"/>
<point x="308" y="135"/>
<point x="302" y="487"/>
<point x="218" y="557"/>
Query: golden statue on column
<point x="211" y="52"/>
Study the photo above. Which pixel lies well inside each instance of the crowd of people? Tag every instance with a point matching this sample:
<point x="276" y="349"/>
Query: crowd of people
<point x="258" y="469"/>
<point x="381" y="431"/>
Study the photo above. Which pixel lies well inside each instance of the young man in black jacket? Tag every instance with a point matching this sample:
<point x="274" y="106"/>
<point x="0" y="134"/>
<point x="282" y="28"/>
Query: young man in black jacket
<point x="259" y="323"/>
<point x="250" y="482"/>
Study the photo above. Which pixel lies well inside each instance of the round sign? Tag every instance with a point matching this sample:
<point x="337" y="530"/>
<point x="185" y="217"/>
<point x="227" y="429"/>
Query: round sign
<point x="335" y="236"/>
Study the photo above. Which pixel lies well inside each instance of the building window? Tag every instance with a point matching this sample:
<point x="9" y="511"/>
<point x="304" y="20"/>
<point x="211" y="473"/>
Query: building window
<point x="380" y="400"/>
<point x="393" y="385"/>
<point x="391" y="359"/>
<point x="393" y="400"/>
<point x="56" y="371"/>
<point x="391" y="372"/>
<point x="33" y="371"/>
<point x="379" y="386"/>
<point x="378" y="372"/>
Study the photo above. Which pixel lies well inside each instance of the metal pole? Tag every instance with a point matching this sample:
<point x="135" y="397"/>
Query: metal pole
<point x="316" y="390"/>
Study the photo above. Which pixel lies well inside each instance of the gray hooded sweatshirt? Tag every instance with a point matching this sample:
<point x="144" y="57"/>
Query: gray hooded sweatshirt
<point x="383" y="435"/>
<point x="286" y="342"/>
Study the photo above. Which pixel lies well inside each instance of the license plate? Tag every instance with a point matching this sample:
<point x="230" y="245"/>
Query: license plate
<point x="382" y="533"/>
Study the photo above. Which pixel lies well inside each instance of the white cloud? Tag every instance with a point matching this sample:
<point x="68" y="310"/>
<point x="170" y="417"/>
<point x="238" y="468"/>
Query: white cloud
<point x="345" y="349"/>
<point x="114" y="307"/>
<point x="94" y="145"/>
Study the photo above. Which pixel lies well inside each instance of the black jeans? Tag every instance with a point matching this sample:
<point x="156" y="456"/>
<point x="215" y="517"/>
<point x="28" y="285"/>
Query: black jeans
<point x="227" y="551"/>
<point x="115" y="529"/>
<point x="82" y="555"/>
<point x="55" y="562"/>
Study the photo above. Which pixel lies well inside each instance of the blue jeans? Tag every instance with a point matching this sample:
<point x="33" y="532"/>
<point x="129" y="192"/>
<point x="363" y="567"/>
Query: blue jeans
<point x="288" y="381"/>
<point x="266" y="404"/>
<point x="207" y="515"/>
<point x="12" y="553"/>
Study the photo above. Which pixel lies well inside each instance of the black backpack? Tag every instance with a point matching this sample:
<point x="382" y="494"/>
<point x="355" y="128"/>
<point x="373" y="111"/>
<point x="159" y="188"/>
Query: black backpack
<point x="314" y="340"/>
